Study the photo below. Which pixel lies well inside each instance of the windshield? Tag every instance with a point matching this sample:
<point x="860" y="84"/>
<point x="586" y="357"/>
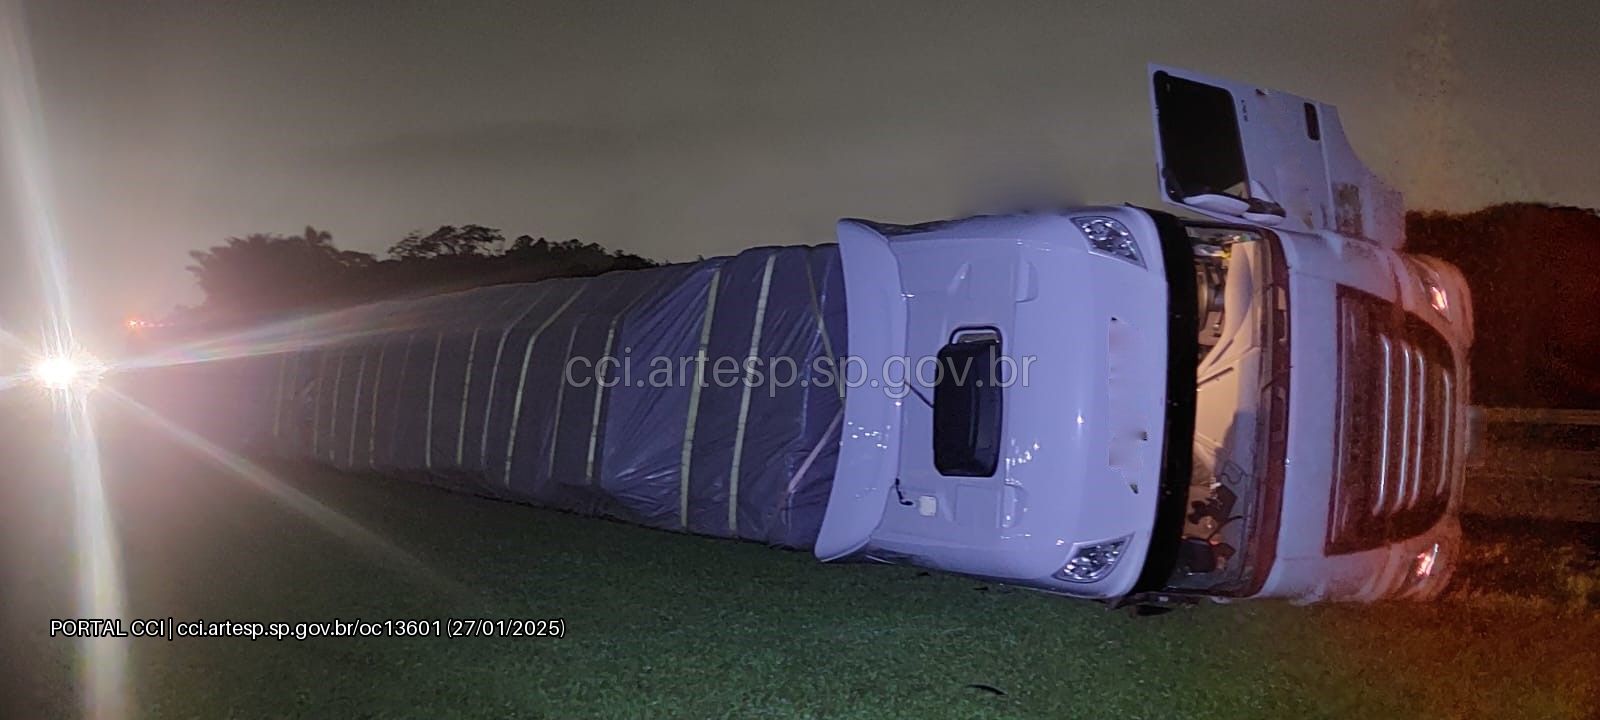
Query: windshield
<point x="1229" y="528"/>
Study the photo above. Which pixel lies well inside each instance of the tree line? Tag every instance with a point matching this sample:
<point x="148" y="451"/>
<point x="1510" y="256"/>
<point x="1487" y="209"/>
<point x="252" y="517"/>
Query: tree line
<point x="1533" y="270"/>
<point x="261" y="276"/>
<point x="1534" y="273"/>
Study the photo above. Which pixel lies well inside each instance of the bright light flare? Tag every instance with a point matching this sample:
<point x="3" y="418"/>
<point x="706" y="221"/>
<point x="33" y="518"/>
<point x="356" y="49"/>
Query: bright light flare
<point x="103" y="663"/>
<point x="1438" y="299"/>
<point x="67" y="372"/>
<point x="57" y="373"/>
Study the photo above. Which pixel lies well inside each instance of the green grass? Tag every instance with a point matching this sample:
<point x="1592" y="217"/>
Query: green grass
<point x="1547" y="564"/>
<point x="667" y="625"/>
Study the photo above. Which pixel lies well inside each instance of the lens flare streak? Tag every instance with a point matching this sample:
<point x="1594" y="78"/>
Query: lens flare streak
<point x="100" y="588"/>
<point x="99" y="582"/>
<point x="281" y="336"/>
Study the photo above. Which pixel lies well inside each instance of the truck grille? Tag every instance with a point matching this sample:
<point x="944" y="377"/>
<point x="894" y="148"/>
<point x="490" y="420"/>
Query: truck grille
<point x="1397" y="411"/>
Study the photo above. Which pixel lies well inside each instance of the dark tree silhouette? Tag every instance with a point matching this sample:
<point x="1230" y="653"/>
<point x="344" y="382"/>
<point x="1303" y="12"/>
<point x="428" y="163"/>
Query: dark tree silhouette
<point x="570" y="258"/>
<point x="261" y="276"/>
<point x="264" y="274"/>
<point x="450" y="241"/>
<point x="1534" y="271"/>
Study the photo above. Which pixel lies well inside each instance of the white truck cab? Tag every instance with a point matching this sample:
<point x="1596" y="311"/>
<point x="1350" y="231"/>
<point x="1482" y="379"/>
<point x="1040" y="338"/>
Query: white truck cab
<point x="1117" y="403"/>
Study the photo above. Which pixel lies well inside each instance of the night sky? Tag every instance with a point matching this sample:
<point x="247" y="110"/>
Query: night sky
<point x="703" y="128"/>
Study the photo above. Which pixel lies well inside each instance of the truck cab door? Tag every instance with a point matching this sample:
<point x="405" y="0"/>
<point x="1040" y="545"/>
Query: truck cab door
<point x="1236" y="152"/>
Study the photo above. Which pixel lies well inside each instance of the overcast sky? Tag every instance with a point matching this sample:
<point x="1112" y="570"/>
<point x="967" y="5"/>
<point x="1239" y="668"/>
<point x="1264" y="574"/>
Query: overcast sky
<point x="679" y="129"/>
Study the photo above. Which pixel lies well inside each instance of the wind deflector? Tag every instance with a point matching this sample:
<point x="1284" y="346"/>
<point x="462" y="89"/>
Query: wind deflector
<point x="868" y="459"/>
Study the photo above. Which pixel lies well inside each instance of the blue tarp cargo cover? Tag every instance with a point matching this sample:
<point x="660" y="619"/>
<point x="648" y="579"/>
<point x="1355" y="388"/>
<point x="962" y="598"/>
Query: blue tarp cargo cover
<point x="701" y="397"/>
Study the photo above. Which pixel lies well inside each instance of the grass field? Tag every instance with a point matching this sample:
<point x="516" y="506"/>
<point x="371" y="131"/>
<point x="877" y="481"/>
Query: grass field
<point x="665" y="625"/>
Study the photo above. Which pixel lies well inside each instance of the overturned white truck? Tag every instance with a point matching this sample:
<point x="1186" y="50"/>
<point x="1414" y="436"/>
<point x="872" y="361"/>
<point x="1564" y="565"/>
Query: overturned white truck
<point x="1104" y="402"/>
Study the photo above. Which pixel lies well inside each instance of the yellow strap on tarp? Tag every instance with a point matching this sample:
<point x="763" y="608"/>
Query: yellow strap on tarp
<point x="822" y="324"/>
<point x="433" y="376"/>
<point x="694" y="399"/>
<point x="316" y="405"/>
<point x="599" y="384"/>
<point x="522" y="380"/>
<point x="784" y="501"/>
<point x="372" y="414"/>
<point x="466" y="394"/>
<point x="494" y="374"/>
<point x="283" y="375"/>
<point x="466" y="379"/>
<point x="744" y="400"/>
<point x="400" y="382"/>
<point x="333" y="405"/>
<point x="355" y="410"/>
<point x="599" y="397"/>
<point x="277" y="396"/>
<point x="555" y="417"/>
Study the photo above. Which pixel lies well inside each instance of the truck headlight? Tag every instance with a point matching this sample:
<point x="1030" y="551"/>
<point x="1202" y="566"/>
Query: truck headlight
<point x="1092" y="561"/>
<point x="1439" y="299"/>
<point x="1110" y="238"/>
<point x="1425" y="563"/>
